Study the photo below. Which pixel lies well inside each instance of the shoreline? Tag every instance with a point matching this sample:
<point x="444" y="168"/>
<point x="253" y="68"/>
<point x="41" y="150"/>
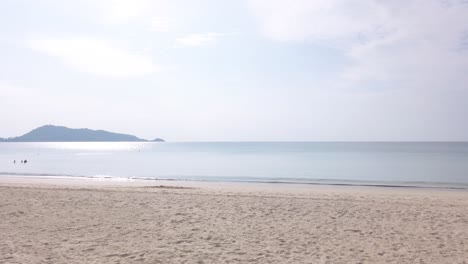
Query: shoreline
<point x="21" y="177"/>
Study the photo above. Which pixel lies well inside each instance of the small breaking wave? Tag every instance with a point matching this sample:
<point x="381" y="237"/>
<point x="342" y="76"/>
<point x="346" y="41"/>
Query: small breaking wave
<point x="289" y="181"/>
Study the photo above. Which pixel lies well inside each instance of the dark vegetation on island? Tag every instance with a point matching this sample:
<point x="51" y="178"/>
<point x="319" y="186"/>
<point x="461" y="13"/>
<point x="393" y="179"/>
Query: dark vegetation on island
<point x="51" y="133"/>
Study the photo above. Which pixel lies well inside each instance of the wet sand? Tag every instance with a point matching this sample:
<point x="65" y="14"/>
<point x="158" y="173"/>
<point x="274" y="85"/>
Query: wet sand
<point x="50" y="221"/>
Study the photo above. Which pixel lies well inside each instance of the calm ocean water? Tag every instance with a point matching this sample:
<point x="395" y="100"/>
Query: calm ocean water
<point x="407" y="164"/>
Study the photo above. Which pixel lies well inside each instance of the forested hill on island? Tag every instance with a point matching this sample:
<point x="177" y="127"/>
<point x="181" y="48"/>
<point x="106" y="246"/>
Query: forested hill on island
<point x="50" y="133"/>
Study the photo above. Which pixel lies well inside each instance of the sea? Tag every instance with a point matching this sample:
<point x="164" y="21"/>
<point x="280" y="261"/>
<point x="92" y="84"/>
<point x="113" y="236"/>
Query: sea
<point x="407" y="164"/>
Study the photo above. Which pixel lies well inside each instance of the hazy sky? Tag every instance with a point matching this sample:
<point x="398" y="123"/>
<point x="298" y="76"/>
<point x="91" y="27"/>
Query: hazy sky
<point x="294" y="70"/>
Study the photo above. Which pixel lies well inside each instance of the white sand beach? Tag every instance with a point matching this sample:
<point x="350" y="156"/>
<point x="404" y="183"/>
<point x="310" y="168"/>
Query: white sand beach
<point x="50" y="221"/>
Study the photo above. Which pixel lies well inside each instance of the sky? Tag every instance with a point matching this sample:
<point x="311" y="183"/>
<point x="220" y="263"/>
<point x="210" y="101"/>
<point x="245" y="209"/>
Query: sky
<point x="247" y="70"/>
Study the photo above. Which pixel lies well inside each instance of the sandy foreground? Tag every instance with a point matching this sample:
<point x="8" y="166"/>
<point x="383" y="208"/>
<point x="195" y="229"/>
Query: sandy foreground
<point x="47" y="221"/>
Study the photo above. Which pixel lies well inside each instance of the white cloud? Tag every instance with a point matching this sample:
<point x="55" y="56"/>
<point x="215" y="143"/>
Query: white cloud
<point x="123" y="10"/>
<point x="422" y="51"/>
<point x="198" y="39"/>
<point x="7" y="90"/>
<point x="155" y="15"/>
<point x="317" y="20"/>
<point x="160" y="25"/>
<point x="94" y="56"/>
<point x="410" y="44"/>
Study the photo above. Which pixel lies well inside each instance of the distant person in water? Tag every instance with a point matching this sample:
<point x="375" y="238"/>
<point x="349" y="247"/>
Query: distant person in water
<point x="14" y="161"/>
<point x="25" y="161"/>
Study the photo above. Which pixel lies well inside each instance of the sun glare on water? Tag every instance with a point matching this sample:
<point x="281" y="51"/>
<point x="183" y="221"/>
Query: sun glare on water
<point x="96" y="146"/>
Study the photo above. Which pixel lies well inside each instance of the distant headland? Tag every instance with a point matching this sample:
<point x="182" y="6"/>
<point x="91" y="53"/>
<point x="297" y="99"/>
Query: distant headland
<point x="51" y="133"/>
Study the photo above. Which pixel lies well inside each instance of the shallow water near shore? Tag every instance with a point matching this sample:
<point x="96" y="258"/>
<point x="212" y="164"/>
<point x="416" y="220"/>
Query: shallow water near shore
<point x="337" y="163"/>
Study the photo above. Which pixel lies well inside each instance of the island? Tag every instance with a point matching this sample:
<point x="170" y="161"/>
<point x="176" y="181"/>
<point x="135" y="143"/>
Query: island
<point x="51" y="133"/>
